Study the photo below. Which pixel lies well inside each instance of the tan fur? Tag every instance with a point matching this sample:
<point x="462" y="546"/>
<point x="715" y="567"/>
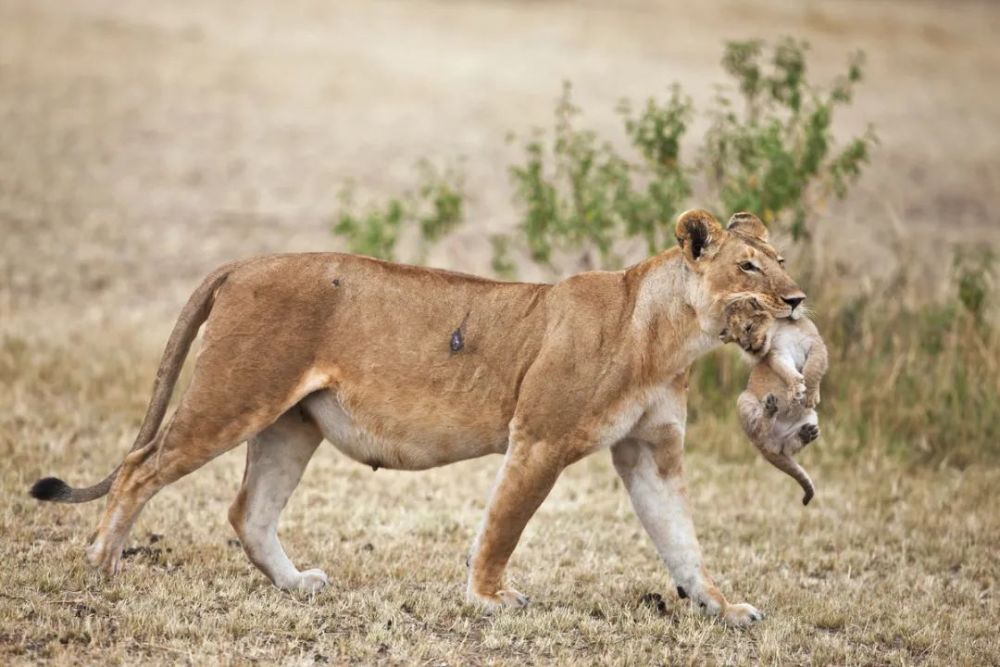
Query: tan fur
<point x="546" y="374"/>
<point x="777" y="410"/>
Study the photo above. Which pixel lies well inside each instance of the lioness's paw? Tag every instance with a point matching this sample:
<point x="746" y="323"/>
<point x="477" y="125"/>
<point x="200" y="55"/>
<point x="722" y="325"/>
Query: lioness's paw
<point x="511" y="598"/>
<point x="505" y="597"/>
<point x="741" y="614"/>
<point x="808" y="433"/>
<point x="310" y="581"/>
<point x="106" y="561"/>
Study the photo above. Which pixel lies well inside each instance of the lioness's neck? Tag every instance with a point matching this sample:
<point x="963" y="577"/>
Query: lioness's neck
<point x="671" y="319"/>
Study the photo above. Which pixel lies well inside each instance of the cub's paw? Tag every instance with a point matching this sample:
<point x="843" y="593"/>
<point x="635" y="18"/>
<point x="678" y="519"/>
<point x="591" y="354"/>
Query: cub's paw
<point x="505" y="597"/>
<point x="798" y="392"/>
<point x="770" y="405"/>
<point x="811" y="399"/>
<point x="741" y="614"/>
<point x="808" y="433"/>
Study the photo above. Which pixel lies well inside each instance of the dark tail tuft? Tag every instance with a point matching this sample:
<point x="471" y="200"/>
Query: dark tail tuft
<point x="50" y="488"/>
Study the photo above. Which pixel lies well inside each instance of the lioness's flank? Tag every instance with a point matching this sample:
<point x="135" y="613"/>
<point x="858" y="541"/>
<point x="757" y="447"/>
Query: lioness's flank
<point x="410" y="368"/>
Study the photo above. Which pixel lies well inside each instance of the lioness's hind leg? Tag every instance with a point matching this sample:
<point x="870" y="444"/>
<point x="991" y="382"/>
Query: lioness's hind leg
<point x="212" y="418"/>
<point x="276" y="459"/>
<point x="142" y="475"/>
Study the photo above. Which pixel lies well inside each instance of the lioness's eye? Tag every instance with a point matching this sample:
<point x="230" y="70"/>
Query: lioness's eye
<point x="748" y="266"/>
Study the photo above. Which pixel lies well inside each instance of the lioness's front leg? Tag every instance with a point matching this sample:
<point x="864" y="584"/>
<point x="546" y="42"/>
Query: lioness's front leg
<point x="654" y="477"/>
<point x="525" y="479"/>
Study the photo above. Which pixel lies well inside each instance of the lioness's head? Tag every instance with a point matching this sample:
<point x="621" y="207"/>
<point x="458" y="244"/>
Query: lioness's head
<point x="736" y="262"/>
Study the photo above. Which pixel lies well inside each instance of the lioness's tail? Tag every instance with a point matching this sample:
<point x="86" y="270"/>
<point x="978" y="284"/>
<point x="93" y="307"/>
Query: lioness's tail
<point x="194" y="313"/>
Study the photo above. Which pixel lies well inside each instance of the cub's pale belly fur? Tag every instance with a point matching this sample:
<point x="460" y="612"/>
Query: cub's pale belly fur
<point x="358" y="436"/>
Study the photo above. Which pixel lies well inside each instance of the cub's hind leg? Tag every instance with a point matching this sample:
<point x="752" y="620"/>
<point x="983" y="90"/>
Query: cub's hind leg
<point x="276" y="459"/>
<point x="758" y="420"/>
<point x="800" y="433"/>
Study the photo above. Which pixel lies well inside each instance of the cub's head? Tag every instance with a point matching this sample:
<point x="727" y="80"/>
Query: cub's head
<point x="748" y="325"/>
<point x="736" y="262"/>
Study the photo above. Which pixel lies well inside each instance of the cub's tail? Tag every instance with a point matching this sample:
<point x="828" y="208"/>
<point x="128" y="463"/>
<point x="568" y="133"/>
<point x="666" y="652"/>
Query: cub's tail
<point x="194" y="313"/>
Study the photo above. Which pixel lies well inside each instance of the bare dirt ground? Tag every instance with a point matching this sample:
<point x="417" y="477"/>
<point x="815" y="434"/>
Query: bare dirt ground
<point x="141" y="145"/>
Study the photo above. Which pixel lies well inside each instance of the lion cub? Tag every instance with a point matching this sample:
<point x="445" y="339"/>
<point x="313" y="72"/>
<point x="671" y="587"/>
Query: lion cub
<point x="778" y="408"/>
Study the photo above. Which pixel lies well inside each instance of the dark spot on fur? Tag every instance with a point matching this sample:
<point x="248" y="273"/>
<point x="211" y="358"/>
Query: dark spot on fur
<point x="233" y="542"/>
<point x="374" y="467"/>
<point x="681" y="593"/>
<point x="457" y="340"/>
<point x="336" y="282"/>
<point x="655" y="602"/>
<point x="368" y="547"/>
<point x="49" y="488"/>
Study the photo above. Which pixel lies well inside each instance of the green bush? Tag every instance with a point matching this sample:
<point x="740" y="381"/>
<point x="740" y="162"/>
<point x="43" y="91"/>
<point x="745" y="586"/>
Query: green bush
<point x="769" y="149"/>
<point x="434" y="210"/>
<point x="775" y="155"/>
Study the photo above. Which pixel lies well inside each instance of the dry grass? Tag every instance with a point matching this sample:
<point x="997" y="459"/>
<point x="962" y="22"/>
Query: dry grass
<point x="887" y="566"/>
<point x="141" y="147"/>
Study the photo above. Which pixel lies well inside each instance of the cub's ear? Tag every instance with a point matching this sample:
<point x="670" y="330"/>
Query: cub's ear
<point x="748" y="224"/>
<point x="698" y="233"/>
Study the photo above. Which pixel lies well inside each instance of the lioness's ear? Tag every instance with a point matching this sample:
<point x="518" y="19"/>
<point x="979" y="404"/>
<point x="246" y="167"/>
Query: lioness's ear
<point x="698" y="232"/>
<point x="748" y="224"/>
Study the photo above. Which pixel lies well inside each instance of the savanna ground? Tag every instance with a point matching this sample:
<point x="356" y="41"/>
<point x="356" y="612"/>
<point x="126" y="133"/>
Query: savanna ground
<point x="140" y="146"/>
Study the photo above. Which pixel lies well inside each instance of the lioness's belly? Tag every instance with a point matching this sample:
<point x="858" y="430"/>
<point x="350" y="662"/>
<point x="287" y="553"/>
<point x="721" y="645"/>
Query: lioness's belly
<point x="373" y="438"/>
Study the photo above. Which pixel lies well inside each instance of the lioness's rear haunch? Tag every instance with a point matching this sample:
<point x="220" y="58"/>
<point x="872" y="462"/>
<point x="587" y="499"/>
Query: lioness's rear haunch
<point x="363" y="353"/>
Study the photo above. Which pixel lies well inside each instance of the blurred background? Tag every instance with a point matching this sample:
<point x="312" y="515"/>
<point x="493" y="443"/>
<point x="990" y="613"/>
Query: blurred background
<point x="143" y="144"/>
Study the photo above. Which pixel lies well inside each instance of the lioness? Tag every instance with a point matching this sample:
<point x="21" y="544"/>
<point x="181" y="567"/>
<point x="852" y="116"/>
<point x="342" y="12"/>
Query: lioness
<point x="411" y="368"/>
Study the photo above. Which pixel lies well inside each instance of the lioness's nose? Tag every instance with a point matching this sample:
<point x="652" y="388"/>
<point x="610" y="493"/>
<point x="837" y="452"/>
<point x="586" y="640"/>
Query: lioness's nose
<point x="794" y="301"/>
